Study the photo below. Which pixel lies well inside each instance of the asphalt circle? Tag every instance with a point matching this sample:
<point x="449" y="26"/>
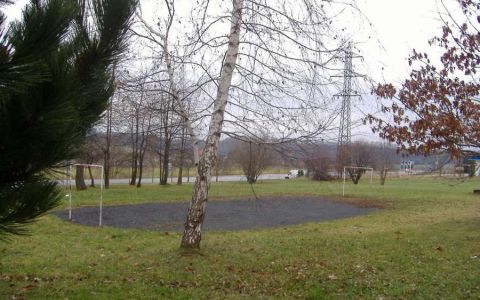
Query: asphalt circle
<point x="221" y="215"/>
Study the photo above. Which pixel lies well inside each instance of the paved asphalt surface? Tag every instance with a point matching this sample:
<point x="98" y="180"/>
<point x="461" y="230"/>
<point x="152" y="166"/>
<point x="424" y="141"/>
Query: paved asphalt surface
<point x="149" y="180"/>
<point x="221" y="215"/>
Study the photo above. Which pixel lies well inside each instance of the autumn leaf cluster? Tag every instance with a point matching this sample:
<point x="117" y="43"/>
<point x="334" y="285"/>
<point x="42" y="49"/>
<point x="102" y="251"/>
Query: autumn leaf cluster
<point x="437" y="107"/>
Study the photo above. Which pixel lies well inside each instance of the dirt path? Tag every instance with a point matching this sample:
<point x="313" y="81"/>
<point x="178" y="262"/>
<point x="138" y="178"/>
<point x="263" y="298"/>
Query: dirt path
<point x="221" y="215"/>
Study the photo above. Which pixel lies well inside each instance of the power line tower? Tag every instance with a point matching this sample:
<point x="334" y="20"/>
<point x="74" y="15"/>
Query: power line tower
<point x="345" y="130"/>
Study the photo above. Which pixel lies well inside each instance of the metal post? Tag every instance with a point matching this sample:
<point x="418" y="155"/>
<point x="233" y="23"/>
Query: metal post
<point x="101" y="199"/>
<point x="344" y="170"/>
<point x="70" y="192"/>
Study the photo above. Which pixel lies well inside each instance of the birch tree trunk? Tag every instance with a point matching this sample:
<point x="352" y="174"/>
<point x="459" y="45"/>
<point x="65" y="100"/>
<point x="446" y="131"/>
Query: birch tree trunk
<point x="196" y="213"/>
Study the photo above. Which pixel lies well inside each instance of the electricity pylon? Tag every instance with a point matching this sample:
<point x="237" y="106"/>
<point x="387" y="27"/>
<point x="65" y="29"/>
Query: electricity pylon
<point x="345" y="128"/>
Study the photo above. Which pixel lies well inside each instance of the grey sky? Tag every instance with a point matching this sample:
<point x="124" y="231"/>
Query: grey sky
<point x="400" y="26"/>
<point x="397" y="28"/>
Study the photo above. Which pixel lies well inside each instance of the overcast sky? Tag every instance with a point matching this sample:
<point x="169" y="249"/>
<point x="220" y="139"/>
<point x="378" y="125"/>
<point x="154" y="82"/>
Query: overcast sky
<point x="398" y="26"/>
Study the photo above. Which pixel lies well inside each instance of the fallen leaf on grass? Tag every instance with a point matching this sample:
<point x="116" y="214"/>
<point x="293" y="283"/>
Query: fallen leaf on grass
<point x="29" y="287"/>
<point x="231" y="268"/>
<point x="332" y="277"/>
<point x="189" y="269"/>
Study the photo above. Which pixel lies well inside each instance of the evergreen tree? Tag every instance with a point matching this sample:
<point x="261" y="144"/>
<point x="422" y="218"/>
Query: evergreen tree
<point x="55" y="80"/>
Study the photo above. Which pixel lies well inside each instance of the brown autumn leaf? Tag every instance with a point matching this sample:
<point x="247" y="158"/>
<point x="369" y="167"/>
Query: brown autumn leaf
<point x="231" y="268"/>
<point x="29" y="287"/>
<point x="436" y="107"/>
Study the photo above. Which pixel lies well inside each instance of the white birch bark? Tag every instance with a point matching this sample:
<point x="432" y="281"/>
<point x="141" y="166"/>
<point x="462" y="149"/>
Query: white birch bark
<point x="196" y="213"/>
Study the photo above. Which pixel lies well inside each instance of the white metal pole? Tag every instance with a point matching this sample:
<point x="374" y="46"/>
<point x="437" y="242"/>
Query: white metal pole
<point x="344" y="181"/>
<point x="101" y="198"/>
<point x="69" y="192"/>
<point x="371" y="176"/>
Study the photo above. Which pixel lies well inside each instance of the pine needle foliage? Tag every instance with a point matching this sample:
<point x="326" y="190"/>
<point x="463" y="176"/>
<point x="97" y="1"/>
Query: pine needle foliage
<point x="55" y="80"/>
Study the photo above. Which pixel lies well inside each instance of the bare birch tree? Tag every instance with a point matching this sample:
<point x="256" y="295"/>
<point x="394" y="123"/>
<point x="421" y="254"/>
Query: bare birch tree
<point x="257" y="64"/>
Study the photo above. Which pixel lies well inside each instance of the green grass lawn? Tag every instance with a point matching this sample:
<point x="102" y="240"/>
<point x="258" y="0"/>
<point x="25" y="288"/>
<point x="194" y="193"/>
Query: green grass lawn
<point x="424" y="244"/>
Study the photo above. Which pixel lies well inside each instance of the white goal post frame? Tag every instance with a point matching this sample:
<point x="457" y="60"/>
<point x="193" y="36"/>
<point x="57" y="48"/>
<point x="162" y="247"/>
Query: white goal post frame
<point x="69" y="171"/>
<point x="352" y="167"/>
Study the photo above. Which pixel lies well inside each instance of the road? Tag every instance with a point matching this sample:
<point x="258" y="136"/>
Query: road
<point x="189" y="179"/>
<point x="192" y="179"/>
